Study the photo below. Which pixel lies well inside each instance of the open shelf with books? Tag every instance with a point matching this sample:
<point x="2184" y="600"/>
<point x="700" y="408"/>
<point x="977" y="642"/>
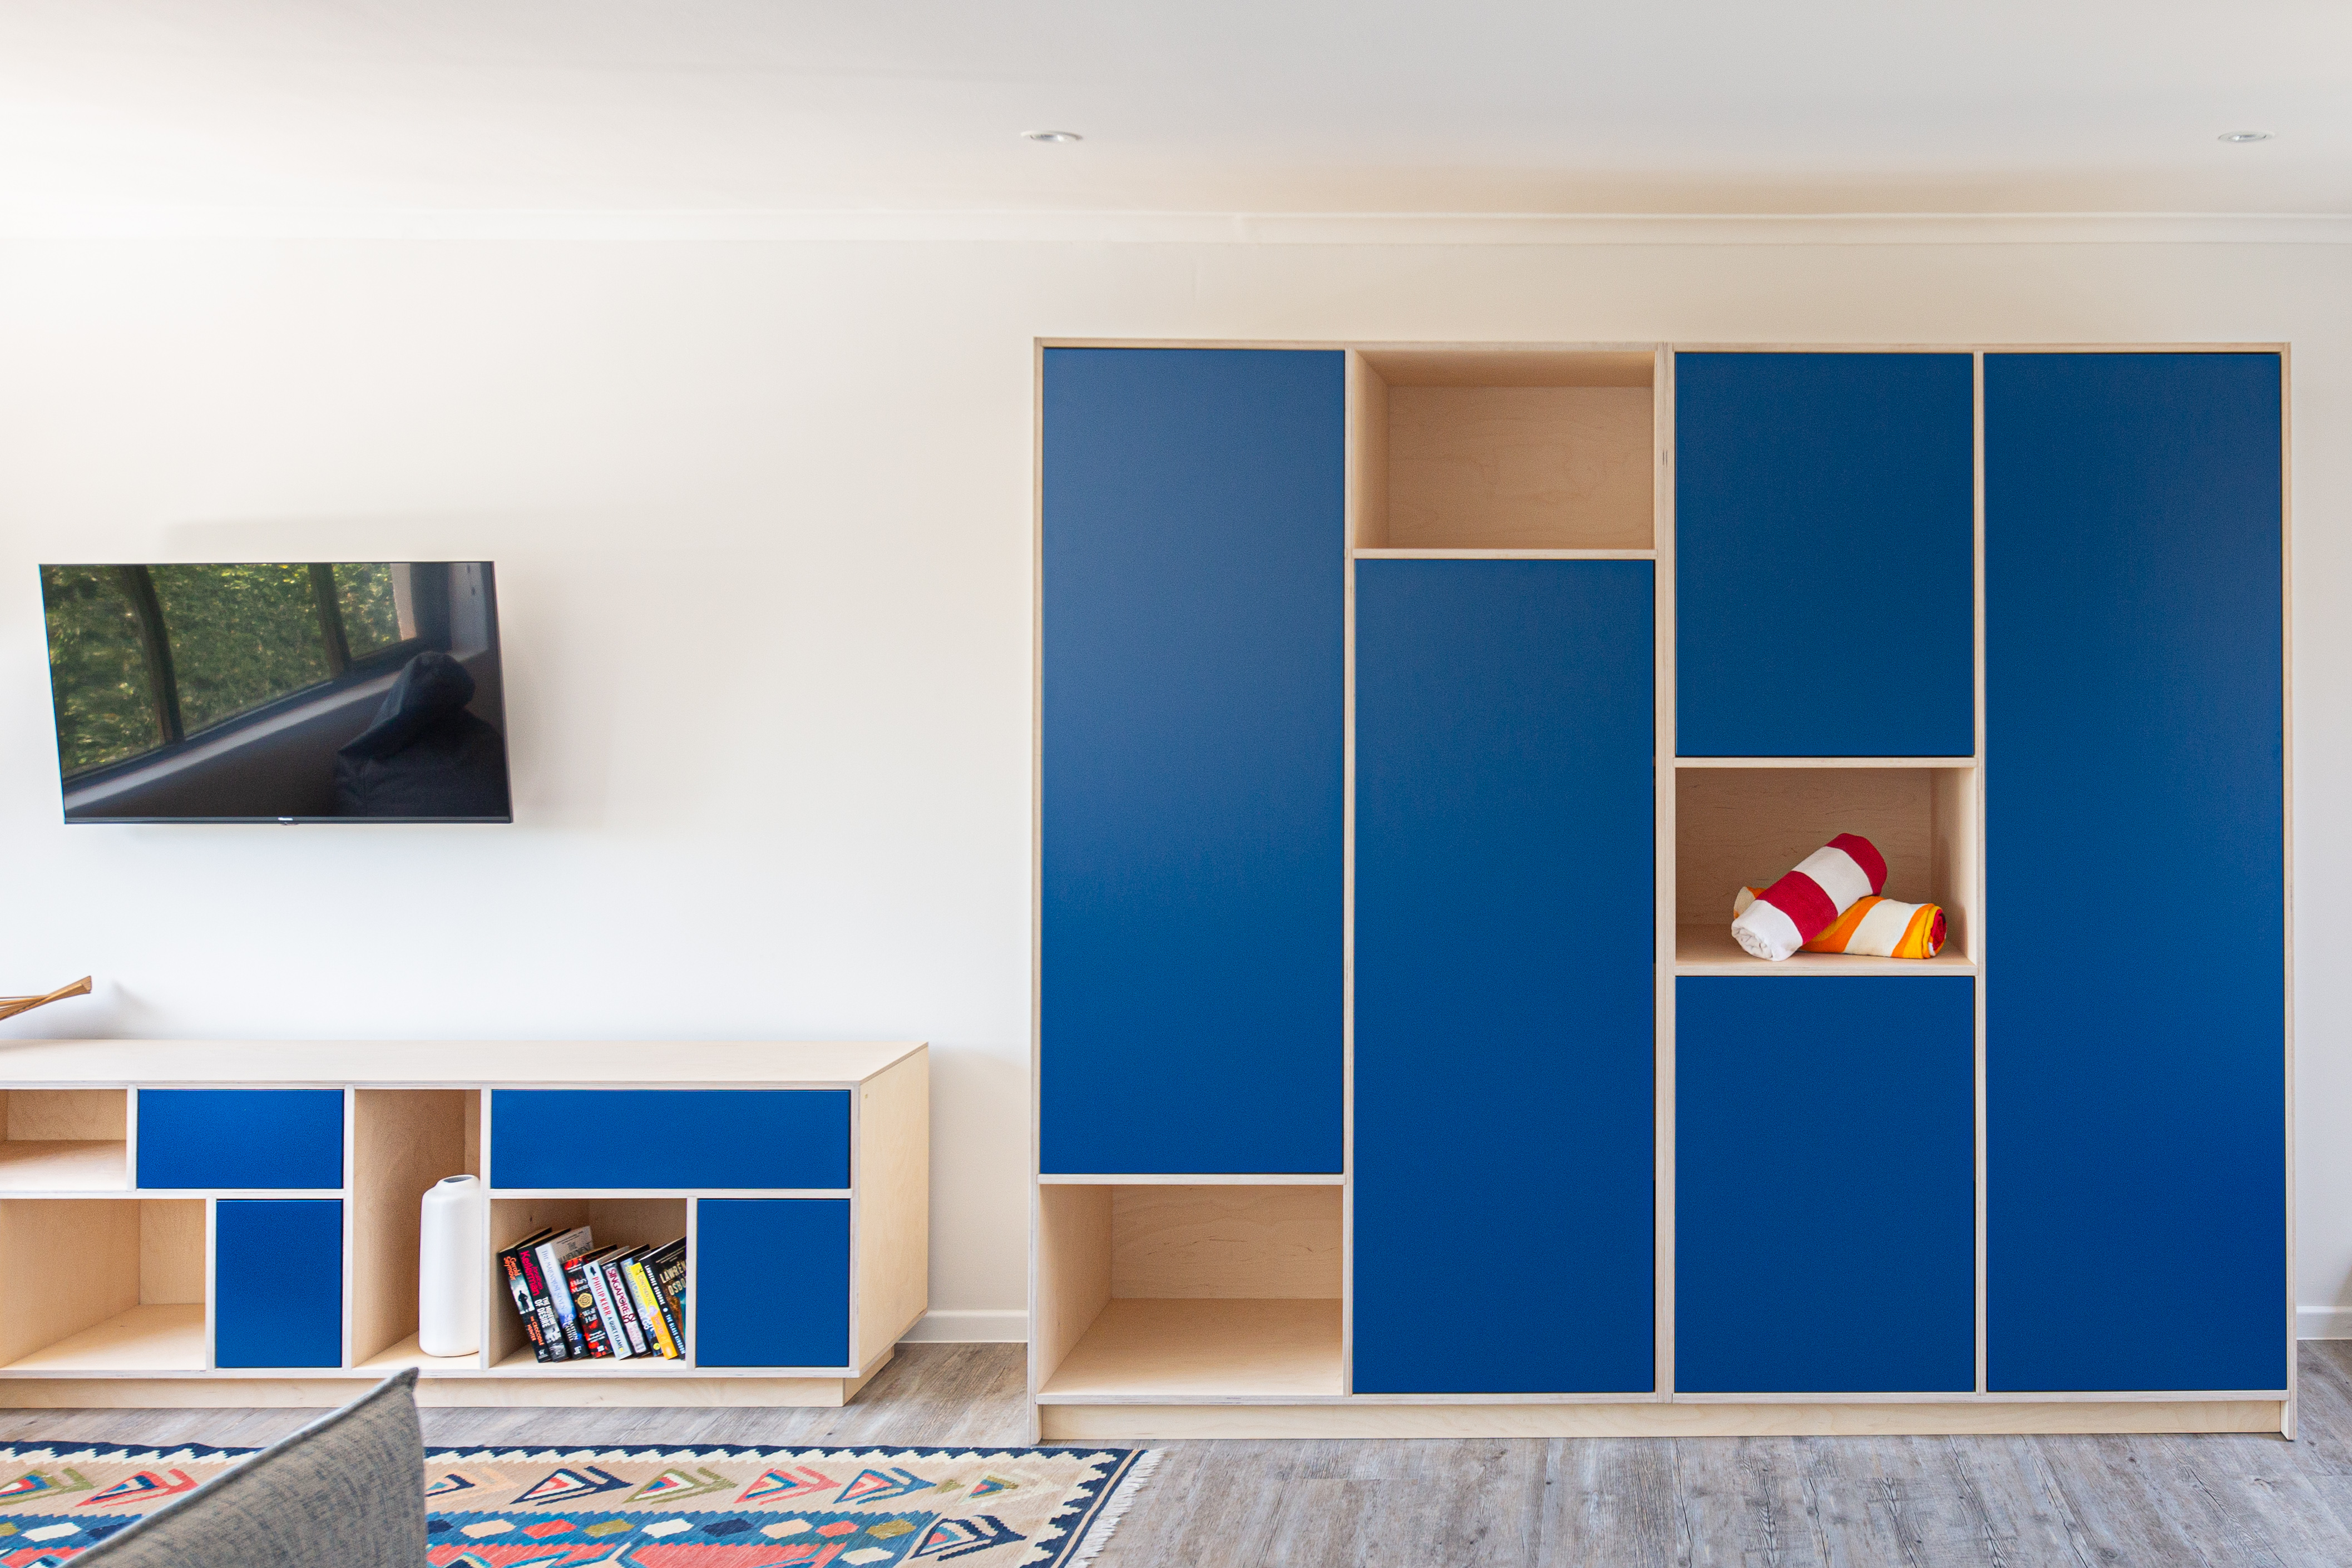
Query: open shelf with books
<point x="568" y="1260"/>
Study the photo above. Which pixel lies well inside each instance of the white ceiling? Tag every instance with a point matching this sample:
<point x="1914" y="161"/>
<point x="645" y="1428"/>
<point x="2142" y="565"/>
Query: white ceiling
<point x="1188" y="106"/>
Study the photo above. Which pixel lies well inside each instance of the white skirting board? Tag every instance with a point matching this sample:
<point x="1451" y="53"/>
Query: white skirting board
<point x="2323" y="1322"/>
<point x="969" y="1325"/>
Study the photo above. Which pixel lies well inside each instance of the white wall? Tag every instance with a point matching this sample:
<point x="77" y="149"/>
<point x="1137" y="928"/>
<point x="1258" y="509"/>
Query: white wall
<point x="762" y="515"/>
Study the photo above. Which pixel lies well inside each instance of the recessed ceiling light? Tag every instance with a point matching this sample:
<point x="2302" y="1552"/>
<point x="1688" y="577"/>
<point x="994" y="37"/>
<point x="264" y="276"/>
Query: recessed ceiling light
<point x="1053" y="136"/>
<point x="2245" y="136"/>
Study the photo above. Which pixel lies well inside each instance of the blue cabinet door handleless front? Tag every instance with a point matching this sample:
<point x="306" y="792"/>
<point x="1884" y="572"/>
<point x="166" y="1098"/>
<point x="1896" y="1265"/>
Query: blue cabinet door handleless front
<point x="241" y="1138"/>
<point x="771" y="1282"/>
<point x="677" y="1138"/>
<point x="278" y="1283"/>
<point x="1191" y="899"/>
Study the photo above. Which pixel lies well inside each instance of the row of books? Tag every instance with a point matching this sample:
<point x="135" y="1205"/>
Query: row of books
<point x="580" y="1302"/>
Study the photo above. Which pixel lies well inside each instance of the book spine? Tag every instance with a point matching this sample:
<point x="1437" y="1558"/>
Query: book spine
<point x="583" y="1310"/>
<point x="625" y="1308"/>
<point x="669" y="1293"/>
<point x="553" y="1345"/>
<point x="567" y="1317"/>
<point x="641" y="1289"/>
<point x="519" y="1289"/>
<point x="616" y="1338"/>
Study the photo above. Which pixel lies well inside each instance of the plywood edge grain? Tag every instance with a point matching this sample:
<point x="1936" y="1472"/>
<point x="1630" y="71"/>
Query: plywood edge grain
<point x="328" y="1392"/>
<point x="1362" y="1418"/>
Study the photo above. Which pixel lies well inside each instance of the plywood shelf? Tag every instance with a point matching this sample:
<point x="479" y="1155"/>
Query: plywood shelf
<point x="64" y="1165"/>
<point x="523" y="1362"/>
<point x="159" y="1338"/>
<point x="1202" y="1349"/>
<point x="407" y="1352"/>
<point x="1710" y="950"/>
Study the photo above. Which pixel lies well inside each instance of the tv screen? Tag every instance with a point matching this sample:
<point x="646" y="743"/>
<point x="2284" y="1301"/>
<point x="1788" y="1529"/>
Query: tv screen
<point x="302" y="692"/>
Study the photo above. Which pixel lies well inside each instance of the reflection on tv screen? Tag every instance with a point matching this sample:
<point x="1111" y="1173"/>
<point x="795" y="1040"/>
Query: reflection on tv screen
<point x="279" y="692"/>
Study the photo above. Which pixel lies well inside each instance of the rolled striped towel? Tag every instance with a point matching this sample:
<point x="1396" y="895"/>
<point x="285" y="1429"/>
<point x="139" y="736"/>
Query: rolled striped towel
<point x="1875" y="927"/>
<point x="1808" y="899"/>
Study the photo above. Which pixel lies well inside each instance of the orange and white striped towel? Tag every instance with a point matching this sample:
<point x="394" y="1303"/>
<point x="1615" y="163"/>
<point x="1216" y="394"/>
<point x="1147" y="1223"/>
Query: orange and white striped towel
<point x="1872" y="928"/>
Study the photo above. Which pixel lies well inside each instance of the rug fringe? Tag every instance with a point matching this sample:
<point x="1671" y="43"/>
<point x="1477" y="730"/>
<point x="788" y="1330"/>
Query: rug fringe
<point x="1115" y="1507"/>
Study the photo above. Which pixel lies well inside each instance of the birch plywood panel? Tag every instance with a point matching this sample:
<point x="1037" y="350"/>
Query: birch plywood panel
<point x="1520" y="467"/>
<point x="64" y="1266"/>
<point x="1736" y="826"/>
<point x="80" y="1114"/>
<point x="1279" y="1243"/>
<point x="171" y="1251"/>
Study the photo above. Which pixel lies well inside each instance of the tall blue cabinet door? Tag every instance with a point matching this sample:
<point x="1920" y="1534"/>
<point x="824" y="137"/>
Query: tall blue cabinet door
<point x="1505" y="1048"/>
<point x="1825" y="1206"/>
<point x="2135" y="1002"/>
<point x="1819" y="497"/>
<point x="1191" y="899"/>
<point x="277" y="1283"/>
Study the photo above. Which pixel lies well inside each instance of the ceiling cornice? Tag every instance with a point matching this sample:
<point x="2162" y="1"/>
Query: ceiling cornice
<point x="23" y="223"/>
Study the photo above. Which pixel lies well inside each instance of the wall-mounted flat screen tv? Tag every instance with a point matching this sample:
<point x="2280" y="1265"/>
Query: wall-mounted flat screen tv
<point x="300" y="692"/>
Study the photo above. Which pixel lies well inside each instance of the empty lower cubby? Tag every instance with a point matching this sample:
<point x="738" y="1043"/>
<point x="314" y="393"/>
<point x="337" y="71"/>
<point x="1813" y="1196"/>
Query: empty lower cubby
<point x="403" y="1142"/>
<point x="617" y="1221"/>
<point x="1493" y="450"/>
<point x="63" y="1140"/>
<point x="104" y="1284"/>
<point x="1209" y="1292"/>
<point x="1738" y="826"/>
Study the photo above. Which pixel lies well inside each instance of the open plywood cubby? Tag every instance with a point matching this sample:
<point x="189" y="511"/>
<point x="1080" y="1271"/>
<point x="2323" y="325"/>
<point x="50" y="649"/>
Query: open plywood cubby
<point x="64" y="1140"/>
<point x="102" y="1284"/>
<point x="403" y="1142"/>
<point x="1487" y="450"/>
<point x="1152" y="1291"/>
<point x="1739" y="827"/>
<point x="617" y="1221"/>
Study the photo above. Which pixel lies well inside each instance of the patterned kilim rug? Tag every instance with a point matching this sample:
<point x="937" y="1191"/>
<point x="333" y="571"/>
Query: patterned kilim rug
<point x="699" y="1506"/>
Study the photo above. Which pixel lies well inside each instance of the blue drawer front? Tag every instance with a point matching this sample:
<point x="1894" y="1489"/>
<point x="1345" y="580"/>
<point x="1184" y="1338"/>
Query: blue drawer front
<point x="241" y="1137"/>
<point x="1193" y="702"/>
<point x="1825" y="1211"/>
<point x="669" y="1137"/>
<point x="1815" y="494"/>
<point x="277" y="1281"/>
<point x="770" y="1282"/>
<point x="2135" y="1190"/>
<point x="1505" y="1199"/>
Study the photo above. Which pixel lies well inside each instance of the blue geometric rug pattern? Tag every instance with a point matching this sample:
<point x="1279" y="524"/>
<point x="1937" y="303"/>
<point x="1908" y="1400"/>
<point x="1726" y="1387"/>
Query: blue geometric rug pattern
<point x="661" y="1506"/>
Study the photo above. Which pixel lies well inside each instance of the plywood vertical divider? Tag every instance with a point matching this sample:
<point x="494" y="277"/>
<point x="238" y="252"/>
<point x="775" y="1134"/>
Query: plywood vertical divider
<point x="171" y="1251"/>
<point x="1074" y="1256"/>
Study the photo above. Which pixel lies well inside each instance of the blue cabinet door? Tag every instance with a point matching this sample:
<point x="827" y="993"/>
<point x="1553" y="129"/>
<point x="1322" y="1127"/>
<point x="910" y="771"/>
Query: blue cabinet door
<point x="1192" y="896"/>
<point x="1504" y="1189"/>
<point x="669" y="1137"/>
<point x="1819" y="497"/>
<point x="277" y="1283"/>
<point x="1825" y="1210"/>
<point x="2135" y="1142"/>
<point x="241" y="1137"/>
<point x="770" y="1282"/>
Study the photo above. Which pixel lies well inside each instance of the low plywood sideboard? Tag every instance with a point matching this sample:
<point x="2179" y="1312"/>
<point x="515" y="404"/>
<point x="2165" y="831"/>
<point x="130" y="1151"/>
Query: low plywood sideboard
<point x="209" y="1223"/>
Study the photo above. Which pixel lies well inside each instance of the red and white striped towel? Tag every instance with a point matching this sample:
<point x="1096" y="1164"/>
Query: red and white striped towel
<point x="1808" y="901"/>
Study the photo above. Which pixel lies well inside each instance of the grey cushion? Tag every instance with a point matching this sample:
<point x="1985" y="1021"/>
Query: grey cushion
<point x="347" y="1492"/>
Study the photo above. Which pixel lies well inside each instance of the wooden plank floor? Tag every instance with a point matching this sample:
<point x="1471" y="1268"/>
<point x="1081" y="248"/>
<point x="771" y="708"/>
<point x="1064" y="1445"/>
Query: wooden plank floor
<point x="1782" y="1502"/>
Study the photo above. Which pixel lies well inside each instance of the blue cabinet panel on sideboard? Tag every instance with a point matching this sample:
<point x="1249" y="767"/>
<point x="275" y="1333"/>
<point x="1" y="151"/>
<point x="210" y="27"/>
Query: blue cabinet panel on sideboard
<point x="1505" y="1056"/>
<point x="1825" y="1215"/>
<point x="669" y="1137"/>
<point x="2135" y="1157"/>
<point x="1192" y="707"/>
<point x="277" y="1283"/>
<point x="771" y="1282"/>
<point x="241" y="1137"/>
<point x="1818" y="497"/>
